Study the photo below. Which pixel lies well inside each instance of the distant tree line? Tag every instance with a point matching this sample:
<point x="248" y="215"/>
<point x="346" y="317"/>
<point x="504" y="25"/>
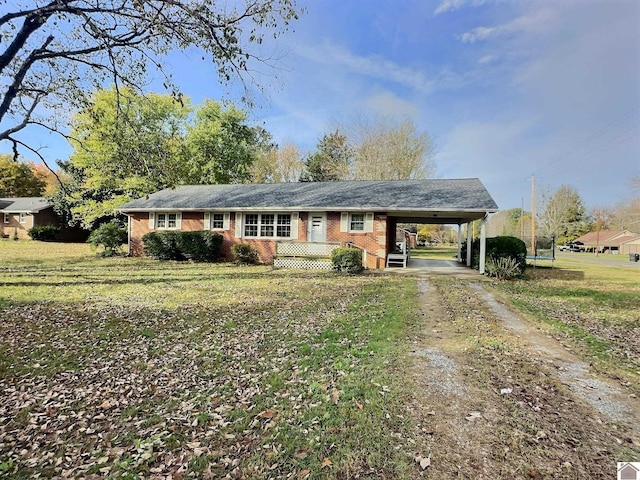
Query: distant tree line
<point x="127" y="145"/>
<point x="564" y="215"/>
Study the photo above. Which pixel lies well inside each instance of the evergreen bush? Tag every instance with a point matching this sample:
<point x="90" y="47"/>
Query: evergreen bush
<point x="347" y="260"/>
<point x="244" y="254"/>
<point x="198" y="246"/>
<point x="111" y="236"/>
<point x="499" y="247"/>
<point x="44" y="233"/>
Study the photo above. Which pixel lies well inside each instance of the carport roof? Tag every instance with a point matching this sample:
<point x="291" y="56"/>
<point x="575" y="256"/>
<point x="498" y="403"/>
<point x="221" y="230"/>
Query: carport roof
<point x="435" y="198"/>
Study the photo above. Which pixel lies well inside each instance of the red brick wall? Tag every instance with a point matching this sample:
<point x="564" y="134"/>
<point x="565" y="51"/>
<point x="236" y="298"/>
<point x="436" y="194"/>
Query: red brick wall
<point x="373" y="242"/>
<point x="14" y="225"/>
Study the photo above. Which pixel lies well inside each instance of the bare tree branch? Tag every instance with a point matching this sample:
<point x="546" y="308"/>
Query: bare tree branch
<point x="54" y="53"/>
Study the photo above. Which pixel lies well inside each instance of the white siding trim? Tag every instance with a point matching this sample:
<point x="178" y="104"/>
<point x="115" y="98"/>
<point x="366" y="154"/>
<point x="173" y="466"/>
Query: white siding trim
<point x="294" y="225"/>
<point x="368" y="222"/>
<point x="344" y="222"/>
<point x="238" y="225"/>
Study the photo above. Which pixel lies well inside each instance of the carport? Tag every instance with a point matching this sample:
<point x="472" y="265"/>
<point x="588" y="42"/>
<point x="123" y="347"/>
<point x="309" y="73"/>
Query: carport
<point x="455" y="216"/>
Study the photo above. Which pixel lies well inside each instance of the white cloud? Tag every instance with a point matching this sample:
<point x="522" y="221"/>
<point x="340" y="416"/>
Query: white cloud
<point x="534" y="22"/>
<point x="387" y="103"/>
<point x="451" y="5"/>
<point x="479" y="34"/>
<point x="485" y="59"/>
<point x="372" y="66"/>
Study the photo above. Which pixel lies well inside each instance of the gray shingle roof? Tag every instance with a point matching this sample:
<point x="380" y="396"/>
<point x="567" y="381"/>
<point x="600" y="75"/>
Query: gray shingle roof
<point x="24" y="204"/>
<point x="396" y="195"/>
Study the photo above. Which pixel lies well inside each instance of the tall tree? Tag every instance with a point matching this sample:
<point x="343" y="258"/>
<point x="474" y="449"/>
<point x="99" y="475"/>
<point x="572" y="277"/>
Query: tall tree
<point x="626" y="215"/>
<point x="129" y="145"/>
<point x="53" y="51"/>
<point x="277" y="165"/>
<point x="331" y="161"/>
<point x="51" y="178"/>
<point x="564" y="215"/>
<point x="222" y="146"/>
<point x="19" y="179"/>
<point x="125" y="146"/>
<point x="391" y="149"/>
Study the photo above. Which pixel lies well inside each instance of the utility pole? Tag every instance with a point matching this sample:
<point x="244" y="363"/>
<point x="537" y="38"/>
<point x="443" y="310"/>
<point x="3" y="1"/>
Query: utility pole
<point x="533" y="215"/>
<point x="522" y="219"/>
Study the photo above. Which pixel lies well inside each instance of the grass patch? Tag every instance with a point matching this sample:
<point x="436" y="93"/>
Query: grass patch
<point x="435" y="253"/>
<point x="592" y="305"/>
<point x="137" y="368"/>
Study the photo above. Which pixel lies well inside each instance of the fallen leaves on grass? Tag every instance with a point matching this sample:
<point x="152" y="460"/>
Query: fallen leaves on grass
<point x="112" y="389"/>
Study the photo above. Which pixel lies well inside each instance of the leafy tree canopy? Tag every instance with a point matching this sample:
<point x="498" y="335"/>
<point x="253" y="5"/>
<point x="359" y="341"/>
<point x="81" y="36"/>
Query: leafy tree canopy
<point x="331" y="161"/>
<point x="19" y="179"/>
<point x="564" y="215"/>
<point x="277" y="165"/>
<point x="129" y="146"/>
<point x="222" y="146"/>
<point x="52" y="51"/>
<point x="391" y="149"/>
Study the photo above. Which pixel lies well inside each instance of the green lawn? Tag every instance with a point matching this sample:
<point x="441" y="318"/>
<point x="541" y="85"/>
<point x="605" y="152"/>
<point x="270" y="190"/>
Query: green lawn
<point x="436" y="253"/>
<point x="133" y="368"/>
<point x="593" y="305"/>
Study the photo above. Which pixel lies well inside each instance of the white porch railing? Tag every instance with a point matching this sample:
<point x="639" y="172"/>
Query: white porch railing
<point x="305" y="249"/>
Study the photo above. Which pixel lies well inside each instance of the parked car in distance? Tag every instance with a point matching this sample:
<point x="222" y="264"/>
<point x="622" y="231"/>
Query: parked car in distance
<point x="571" y="247"/>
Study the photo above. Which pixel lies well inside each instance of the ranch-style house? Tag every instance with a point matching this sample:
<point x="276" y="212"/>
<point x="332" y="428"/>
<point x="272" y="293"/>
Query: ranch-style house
<point x="19" y="214"/>
<point x="297" y="224"/>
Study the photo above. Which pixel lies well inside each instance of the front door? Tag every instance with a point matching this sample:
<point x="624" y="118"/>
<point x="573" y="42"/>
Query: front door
<point x="317" y="227"/>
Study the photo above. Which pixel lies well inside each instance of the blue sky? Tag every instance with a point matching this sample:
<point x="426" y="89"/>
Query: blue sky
<point x="507" y="89"/>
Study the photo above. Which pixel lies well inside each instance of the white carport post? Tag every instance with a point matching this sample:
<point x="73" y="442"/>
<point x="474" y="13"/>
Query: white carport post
<point x="469" y="244"/>
<point x="459" y="257"/>
<point x="483" y="244"/>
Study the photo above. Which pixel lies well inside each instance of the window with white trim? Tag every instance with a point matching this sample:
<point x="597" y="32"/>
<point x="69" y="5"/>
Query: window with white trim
<point x="23" y="217"/>
<point x="356" y="222"/>
<point x="283" y="225"/>
<point x="267" y="225"/>
<point x="166" y="221"/>
<point x="6" y="218"/>
<point x="217" y="221"/>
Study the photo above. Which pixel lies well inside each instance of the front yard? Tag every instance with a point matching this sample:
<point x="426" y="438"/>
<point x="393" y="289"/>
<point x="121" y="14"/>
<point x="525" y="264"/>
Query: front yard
<point x="132" y="368"/>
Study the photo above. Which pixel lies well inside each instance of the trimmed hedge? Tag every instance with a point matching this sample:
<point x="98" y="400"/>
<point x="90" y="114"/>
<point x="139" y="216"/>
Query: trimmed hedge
<point x="197" y="246"/>
<point x="44" y="233"/>
<point x="347" y="260"/>
<point x="500" y="247"/>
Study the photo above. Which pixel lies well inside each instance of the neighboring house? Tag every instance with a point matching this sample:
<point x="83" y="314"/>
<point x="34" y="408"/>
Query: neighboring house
<point x="630" y="246"/>
<point x="290" y="221"/>
<point x="606" y="240"/>
<point x="19" y="214"/>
